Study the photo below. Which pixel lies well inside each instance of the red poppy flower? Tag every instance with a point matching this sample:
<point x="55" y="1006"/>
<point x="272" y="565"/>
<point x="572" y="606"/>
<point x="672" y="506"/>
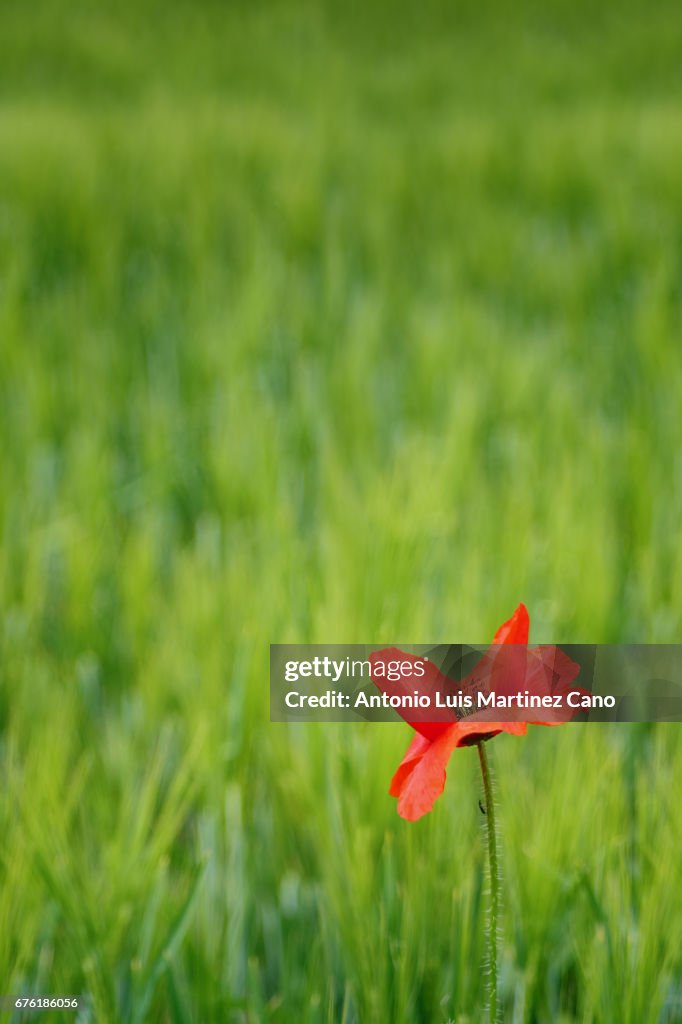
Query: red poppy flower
<point x="543" y="670"/>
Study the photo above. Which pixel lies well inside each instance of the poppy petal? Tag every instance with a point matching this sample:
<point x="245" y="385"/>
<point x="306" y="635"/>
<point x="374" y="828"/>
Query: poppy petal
<point x="552" y="671"/>
<point x="415" y="752"/>
<point x="430" y="722"/>
<point x="419" y="787"/>
<point x="514" y="630"/>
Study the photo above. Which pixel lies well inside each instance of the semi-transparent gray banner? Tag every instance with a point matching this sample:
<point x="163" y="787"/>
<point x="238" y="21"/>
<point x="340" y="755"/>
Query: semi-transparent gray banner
<point x="545" y="683"/>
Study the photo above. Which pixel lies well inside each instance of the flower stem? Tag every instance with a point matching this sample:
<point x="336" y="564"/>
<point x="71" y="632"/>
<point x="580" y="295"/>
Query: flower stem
<point x="494" y="868"/>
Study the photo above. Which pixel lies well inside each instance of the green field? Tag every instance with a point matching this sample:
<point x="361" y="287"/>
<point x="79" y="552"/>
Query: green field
<point x="332" y="323"/>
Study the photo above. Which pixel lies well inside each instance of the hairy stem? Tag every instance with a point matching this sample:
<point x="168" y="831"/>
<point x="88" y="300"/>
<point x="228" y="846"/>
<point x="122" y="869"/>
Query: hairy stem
<point x="494" y="869"/>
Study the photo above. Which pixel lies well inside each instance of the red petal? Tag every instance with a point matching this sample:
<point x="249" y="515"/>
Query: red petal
<point x="415" y="752"/>
<point x="551" y="670"/>
<point x="514" y="630"/>
<point x="420" y="780"/>
<point x="430" y="722"/>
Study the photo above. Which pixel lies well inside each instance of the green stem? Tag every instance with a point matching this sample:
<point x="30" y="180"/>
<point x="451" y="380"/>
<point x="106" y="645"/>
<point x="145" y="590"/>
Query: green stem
<point x="494" y="867"/>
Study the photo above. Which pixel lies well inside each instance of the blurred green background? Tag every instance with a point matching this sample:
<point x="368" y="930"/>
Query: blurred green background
<point x="328" y="322"/>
